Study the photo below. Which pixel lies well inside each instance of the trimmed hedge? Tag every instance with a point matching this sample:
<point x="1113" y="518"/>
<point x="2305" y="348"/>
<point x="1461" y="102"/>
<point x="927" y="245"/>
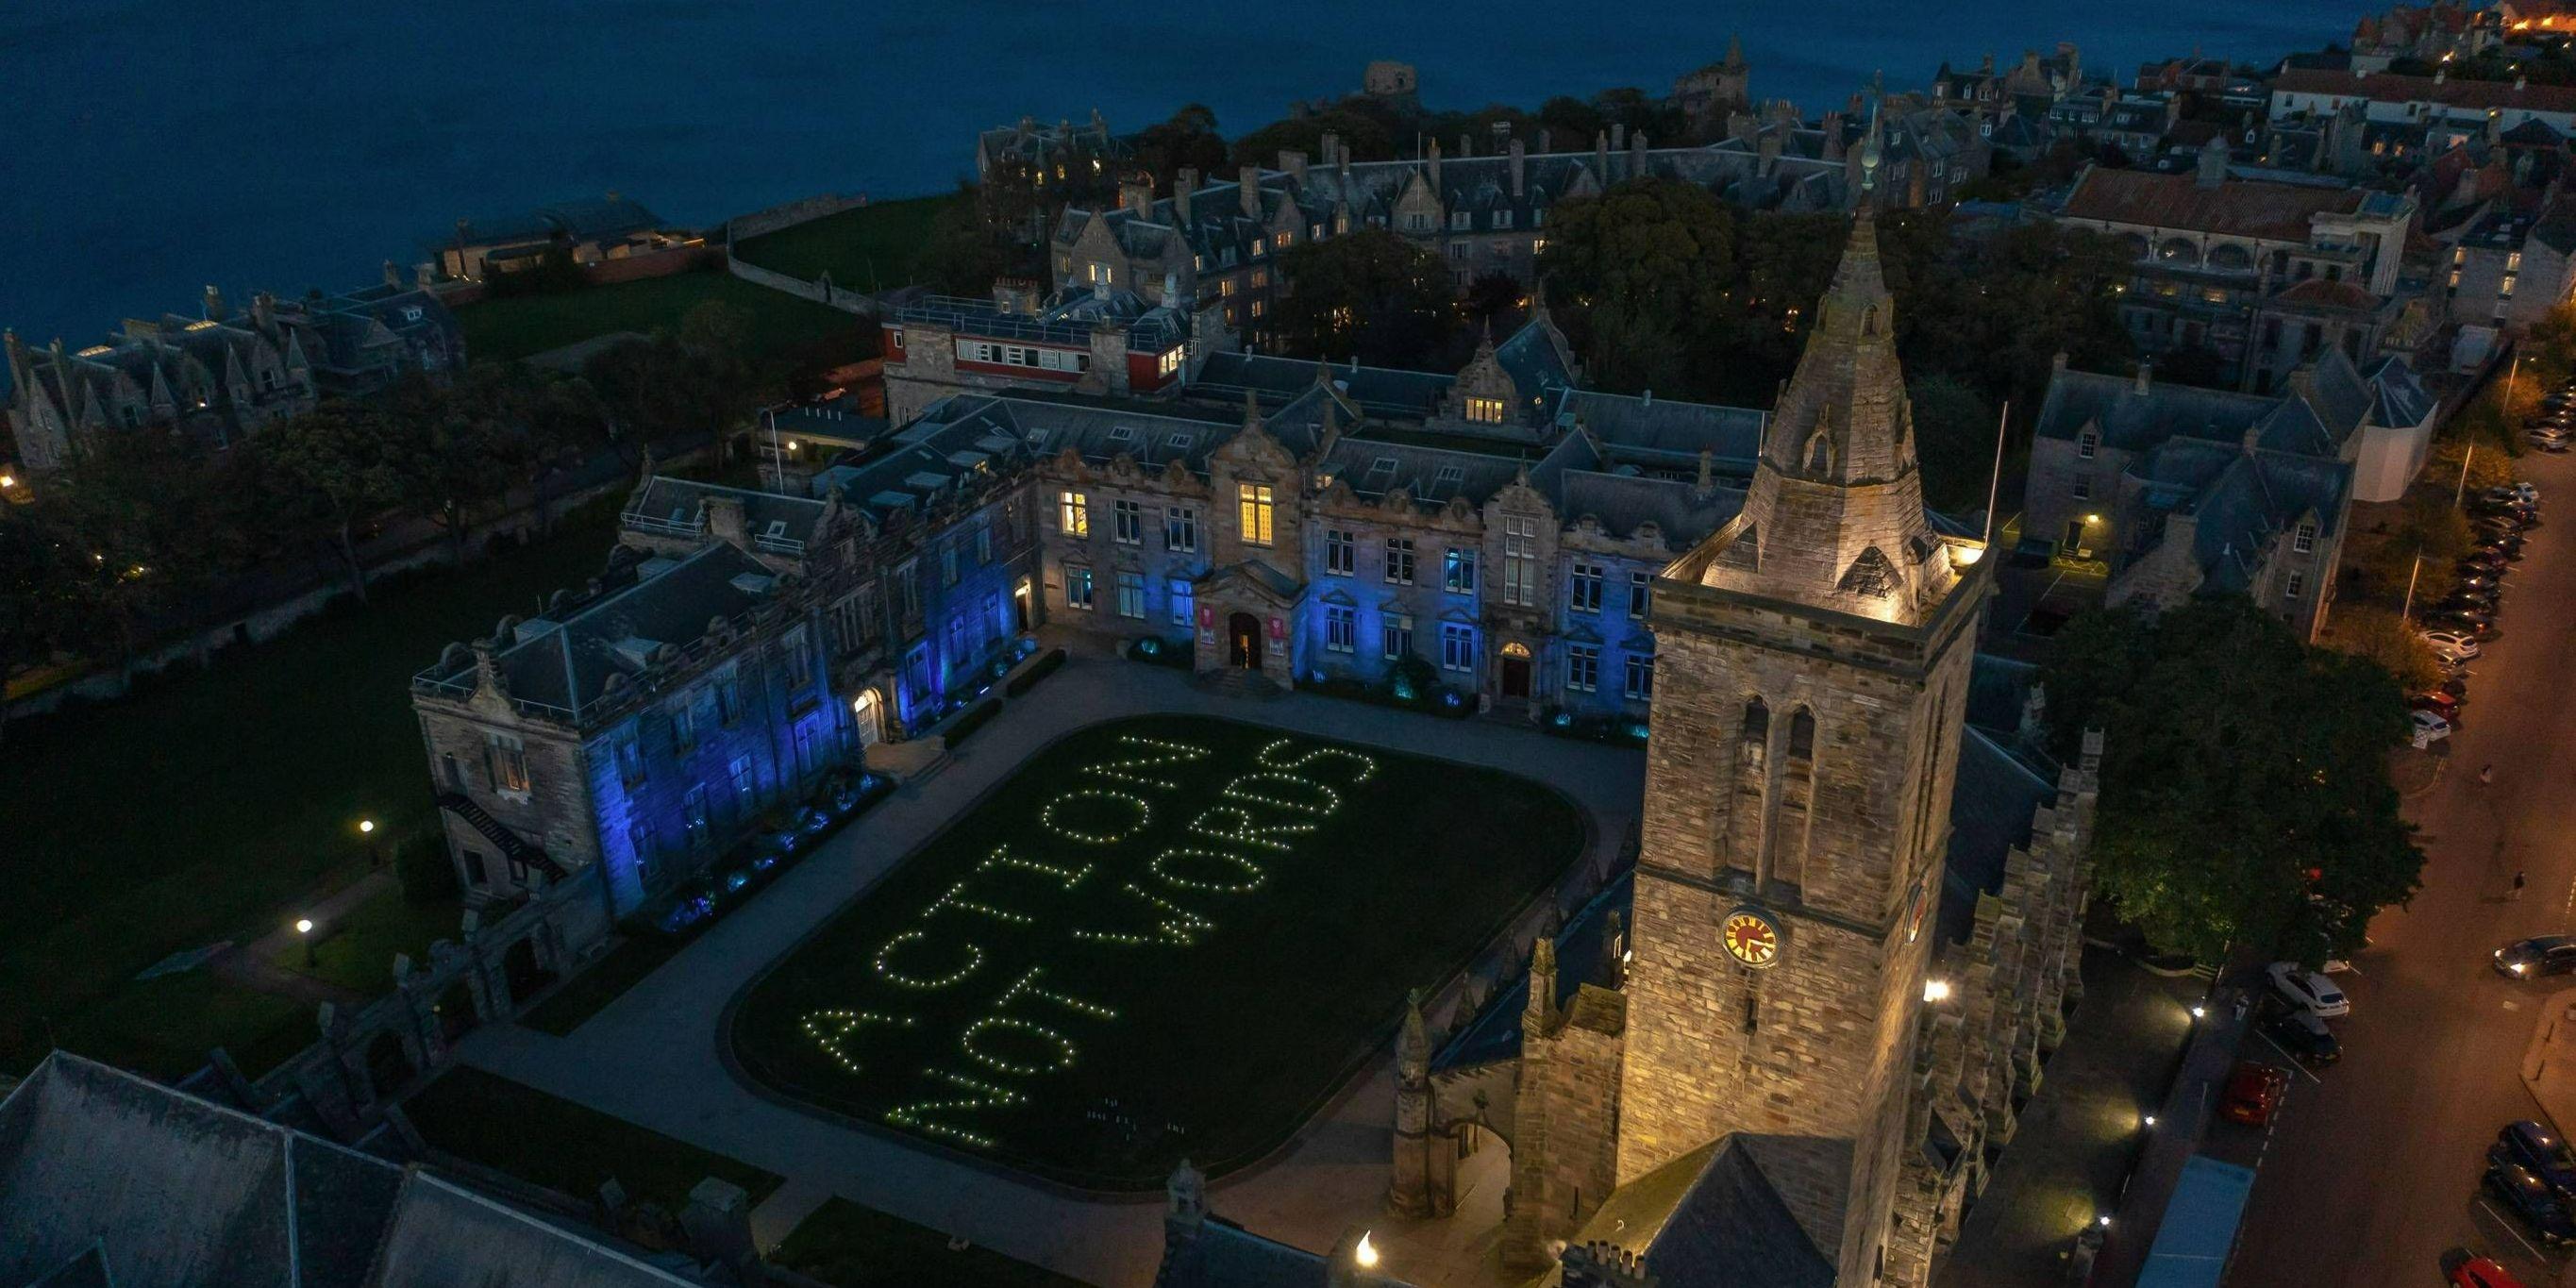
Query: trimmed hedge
<point x="972" y="719"/>
<point x="1038" y="670"/>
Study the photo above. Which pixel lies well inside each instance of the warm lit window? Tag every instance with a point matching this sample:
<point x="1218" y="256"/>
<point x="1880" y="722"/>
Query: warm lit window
<point x="1076" y="514"/>
<point x="1253" y="504"/>
<point x="1169" y="363"/>
<point x="506" y="760"/>
<point x="1487" y="411"/>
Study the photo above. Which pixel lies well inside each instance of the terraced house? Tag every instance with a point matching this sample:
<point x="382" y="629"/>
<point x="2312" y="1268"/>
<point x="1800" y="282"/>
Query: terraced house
<point x="225" y="372"/>
<point x="1485" y="212"/>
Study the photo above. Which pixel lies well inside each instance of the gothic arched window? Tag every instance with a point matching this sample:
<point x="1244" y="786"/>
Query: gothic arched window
<point x="1802" y="735"/>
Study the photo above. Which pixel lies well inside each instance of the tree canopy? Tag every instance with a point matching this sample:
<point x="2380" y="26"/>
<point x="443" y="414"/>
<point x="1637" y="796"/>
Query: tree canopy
<point x="1369" y="295"/>
<point x="2245" y="799"/>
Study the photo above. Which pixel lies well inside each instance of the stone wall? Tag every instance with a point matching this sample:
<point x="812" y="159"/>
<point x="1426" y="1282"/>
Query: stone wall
<point x="803" y="210"/>
<point x="821" y="291"/>
<point x="1566" y="1118"/>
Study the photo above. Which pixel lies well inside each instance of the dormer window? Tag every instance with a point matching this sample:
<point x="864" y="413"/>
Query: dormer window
<point x="1460" y="221"/>
<point x="1502" y="219"/>
<point x="2304" y="539"/>
<point x="2087" y="444"/>
<point x="1449" y="476"/>
<point x="1486" y="411"/>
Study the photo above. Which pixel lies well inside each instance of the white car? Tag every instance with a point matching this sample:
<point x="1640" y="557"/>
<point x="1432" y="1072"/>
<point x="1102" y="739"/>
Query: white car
<point x="2309" y="991"/>
<point x="2429" y="728"/>
<point x="2452" y="646"/>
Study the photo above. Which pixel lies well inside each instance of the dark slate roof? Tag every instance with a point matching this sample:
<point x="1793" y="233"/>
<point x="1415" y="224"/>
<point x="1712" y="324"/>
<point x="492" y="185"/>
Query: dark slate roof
<point x="683" y="502"/>
<point x="1225" y="1255"/>
<point x="1997" y="688"/>
<point x="445" y="1236"/>
<point x="1712" y="1219"/>
<point x="106" y="1177"/>
<point x="1374" y="467"/>
<point x="1378" y="391"/>
<point x="567" y="662"/>
<point x="1624" y="503"/>
<point x="1495" y="1033"/>
<point x="1664" y="432"/>
<point x="2131" y="420"/>
<point x="1537" y="359"/>
<point x="964" y="438"/>
<point x="172" y="1190"/>
<point x="1991" y="806"/>
<point x="2397" y="397"/>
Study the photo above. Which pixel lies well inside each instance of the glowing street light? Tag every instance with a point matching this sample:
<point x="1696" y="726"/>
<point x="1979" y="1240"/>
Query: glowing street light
<point x="1366" y="1253"/>
<point x="1936" y="990"/>
<point x="2199" y="1012"/>
<point x="375" y="848"/>
<point x="304" y="927"/>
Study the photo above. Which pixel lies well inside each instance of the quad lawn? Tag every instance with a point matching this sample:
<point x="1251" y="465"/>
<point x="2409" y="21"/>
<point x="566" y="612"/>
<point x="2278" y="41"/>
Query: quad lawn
<point x="872" y="248"/>
<point x="206" y="807"/>
<point x="505" y="330"/>
<point x="1162" y="937"/>
<point x="568" y="1148"/>
<point x="849" y="1246"/>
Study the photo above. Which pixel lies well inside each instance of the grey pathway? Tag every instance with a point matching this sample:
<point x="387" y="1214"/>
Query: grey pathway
<point x="651" y="1056"/>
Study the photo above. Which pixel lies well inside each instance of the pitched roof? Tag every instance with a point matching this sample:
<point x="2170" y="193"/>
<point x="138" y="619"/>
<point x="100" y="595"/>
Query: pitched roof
<point x="106" y="1177"/>
<point x="567" y="662"/>
<point x="1992" y="802"/>
<point x="2389" y="87"/>
<point x="1712" y="1218"/>
<point x="2237" y="207"/>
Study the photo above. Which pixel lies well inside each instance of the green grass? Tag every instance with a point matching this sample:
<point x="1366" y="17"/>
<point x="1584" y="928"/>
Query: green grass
<point x="600" y="983"/>
<point x="849" y="1246"/>
<point x="205" y="807"/>
<point x="872" y="248"/>
<point x="164" y="1027"/>
<point x="1209" y="1029"/>
<point x="509" y="329"/>
<point x="547" y="1140"/>
<point x="357" y="951"/>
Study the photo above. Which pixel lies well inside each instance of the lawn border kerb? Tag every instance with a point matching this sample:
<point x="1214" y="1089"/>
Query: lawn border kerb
<point x="1249" y="1161"/>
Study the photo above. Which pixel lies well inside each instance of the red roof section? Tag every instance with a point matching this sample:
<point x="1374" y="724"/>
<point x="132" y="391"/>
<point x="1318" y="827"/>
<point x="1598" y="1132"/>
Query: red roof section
<point x="2241" y="208"/>
<point x="2389" y="87"/>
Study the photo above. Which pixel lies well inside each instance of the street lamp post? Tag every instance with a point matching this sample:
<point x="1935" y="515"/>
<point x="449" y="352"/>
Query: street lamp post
<point x="375" y="848"/>
<point x="304" y="927"/>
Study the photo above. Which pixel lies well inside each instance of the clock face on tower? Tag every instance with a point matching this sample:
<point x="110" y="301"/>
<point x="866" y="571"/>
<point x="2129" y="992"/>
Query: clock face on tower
<point x="1751" y="939"/>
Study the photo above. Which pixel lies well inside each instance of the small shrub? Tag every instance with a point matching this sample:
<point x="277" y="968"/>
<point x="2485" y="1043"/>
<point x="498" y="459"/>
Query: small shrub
<point x="1038" y="670"/>
<point x="422" y="866"/>
<point x="972" y="719"/>
<point x="1156" y="651"/>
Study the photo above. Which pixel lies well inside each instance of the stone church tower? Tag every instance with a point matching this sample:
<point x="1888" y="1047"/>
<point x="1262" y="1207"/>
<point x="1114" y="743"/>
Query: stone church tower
<point x="1811" y="679"/>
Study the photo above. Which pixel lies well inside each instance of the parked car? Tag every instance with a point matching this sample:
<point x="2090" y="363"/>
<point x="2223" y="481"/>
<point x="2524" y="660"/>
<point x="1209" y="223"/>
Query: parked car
<point x="2511" y="493"/>
<point x="2533" y="1146"/>
<point x="2485" y="600"/>
<point x="2508" y="546"/>
<point x="2455" y="688"/>
<point x="2538" y="955"/>
<point x="2427" y="729"/>
<point x="2440" y="704"/>
<point x="2529" y="1199"/>
<point x="2254" y="1092"/>
<point x="2554" y="444"/>
<point x="2452" y="646"/>
<point x="2308" y="989"/>
<point x="2304" y="1036"/>
<point x="2482" y="1272"/>
<point x="2471" y="622"/>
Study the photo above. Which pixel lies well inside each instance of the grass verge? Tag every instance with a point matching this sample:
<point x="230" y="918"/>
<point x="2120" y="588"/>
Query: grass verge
<point x="550" y="1141"/>
<point x="872" y="248"/>
<point x="522" y="326"/>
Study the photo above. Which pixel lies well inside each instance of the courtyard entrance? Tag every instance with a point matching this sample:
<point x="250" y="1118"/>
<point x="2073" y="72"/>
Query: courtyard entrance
<point x="1245" y="630"/>
<point x="1516" y="672"/>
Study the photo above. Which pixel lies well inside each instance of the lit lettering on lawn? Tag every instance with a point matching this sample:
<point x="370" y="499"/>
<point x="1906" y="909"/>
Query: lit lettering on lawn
<point x="1032" y="1031"/>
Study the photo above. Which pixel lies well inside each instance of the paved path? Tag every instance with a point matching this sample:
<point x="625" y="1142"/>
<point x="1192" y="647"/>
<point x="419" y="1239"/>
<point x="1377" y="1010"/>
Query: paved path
<point x="254" y="965"/>
<point x="651" y="1056"/>
<point x="2079" y="1136"/>
<point x="2373" y="1169"/>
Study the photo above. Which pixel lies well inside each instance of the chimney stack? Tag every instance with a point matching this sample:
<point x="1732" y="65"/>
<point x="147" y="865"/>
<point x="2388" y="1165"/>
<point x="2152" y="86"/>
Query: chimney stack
<point x="1294" y="162"/>
<point x="2146" y="375"/>
<point x="214" y="304"/>
<point x="1434" y="159"/>
<point x="1248" y="190"/>
<point x="393" y="275"/>
<point x="1184" y="182"/>
<point x="1520" y="167"/>
<point x="1136" y="194"/>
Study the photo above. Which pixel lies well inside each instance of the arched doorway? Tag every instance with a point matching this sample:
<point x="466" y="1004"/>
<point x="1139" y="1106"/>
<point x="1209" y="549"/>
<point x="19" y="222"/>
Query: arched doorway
<point x="520" y="967"/>
<point x="1516" y="670"/>
<point x="388" y="1066"/>
<point x="868" y="713"/>
<point x="455" y="1011"/>
<point x="1245" y="630"/>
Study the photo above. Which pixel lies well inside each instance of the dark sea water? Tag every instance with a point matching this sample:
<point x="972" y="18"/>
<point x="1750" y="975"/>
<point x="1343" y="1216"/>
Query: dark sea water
<point x="153" y="147"/>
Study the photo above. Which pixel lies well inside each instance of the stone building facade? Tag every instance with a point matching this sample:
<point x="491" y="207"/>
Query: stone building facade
<point x="1483" y="213"/>
<point x="1757" y="1065"/>
<point x="225" y="373"/>
<point x="2181" y="489"/>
